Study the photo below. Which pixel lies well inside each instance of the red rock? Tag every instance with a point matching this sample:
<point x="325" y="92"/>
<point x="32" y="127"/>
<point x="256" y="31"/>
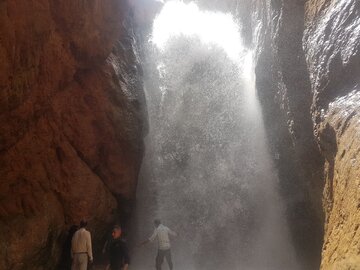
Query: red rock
<point x="71" y="122"/>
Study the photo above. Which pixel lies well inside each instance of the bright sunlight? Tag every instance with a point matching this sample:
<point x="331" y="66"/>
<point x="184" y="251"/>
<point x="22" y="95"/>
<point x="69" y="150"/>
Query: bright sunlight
<point x="178" y="18"/>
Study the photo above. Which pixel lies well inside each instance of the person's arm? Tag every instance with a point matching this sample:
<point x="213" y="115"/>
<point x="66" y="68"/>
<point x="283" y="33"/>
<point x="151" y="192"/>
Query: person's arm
<point x="151" y="238"/>
<point x="126" y="257"/>
<point x="72" y="248"/>
<point x="144" y="242"/>
<point x="89" y="247"/>
<point x="105" y="247"/>
<point x="172" y="232"/>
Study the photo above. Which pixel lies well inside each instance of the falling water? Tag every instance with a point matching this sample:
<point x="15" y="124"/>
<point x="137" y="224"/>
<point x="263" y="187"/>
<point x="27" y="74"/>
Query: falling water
<point x="207" y="172"/>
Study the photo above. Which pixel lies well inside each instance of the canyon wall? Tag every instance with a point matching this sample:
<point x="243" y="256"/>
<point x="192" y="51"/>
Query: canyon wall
<point x="307" y="55"/>
<point x="72" y="121"/>
<point x="307" y="67"/>
<point x="332" y="47"/>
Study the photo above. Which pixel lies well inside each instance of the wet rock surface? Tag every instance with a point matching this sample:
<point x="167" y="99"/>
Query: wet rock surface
<point x="307" y="55"/>
<point x="71" y="123"/>
<point x="307" y="80"/>
<point x="339" y="140"/>
<point x="72" y="120"/>
<point x="284" y="90"/>
<point x="332" y="44"/>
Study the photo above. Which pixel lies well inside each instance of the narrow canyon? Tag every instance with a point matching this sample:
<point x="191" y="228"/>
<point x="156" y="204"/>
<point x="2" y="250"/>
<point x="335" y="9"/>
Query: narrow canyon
<point x="237" y="122"/>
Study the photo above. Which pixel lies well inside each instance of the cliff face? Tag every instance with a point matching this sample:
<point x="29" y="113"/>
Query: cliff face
<point x="71" y="122"/>
<point x="332" y="47"/>
<point x="284" y="91"/>
<point x="72" y="119"/>
<point x="307" y="68"/>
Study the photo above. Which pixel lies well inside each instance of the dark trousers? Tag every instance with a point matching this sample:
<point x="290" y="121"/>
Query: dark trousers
<point x="160" y="258"/>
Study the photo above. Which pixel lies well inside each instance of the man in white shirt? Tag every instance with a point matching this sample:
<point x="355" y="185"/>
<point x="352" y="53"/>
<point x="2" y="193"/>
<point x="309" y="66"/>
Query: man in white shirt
<point x="81" y="250"/>
<point x="161" y="233"/>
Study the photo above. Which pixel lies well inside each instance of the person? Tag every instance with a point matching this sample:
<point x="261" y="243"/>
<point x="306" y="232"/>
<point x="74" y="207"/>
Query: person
<point x="118" y="251"/>
<point x="81" y="249"/>
<point x="161" y="233"/>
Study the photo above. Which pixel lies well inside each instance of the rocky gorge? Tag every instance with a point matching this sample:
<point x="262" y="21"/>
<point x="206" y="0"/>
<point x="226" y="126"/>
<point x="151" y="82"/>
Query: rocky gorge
<point x="73" y="117"/>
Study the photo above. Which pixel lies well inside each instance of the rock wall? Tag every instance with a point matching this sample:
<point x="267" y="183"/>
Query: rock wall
<point x="72" y="119"/>
<point x="284" y="91"/>
<point x="307" y="66"/>
<point x="332" y="46"/>
<point x="71" y="123"/>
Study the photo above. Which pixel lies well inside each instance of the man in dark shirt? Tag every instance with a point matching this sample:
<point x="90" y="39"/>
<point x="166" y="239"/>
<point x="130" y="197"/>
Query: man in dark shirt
<point x="118" y="251"/>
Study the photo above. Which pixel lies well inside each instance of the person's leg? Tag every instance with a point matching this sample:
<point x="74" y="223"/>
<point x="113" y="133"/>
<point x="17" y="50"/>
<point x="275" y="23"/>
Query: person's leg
<point x="169" y="259"/>
<point x="159" y="259"/>
<point x="83" y="261"/>
<point x="74" y="264"/>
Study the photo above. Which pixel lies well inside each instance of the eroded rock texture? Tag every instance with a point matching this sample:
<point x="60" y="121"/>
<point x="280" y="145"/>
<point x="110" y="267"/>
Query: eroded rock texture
<point x="284" y="90"/>
<point x="332" y="47"/>
<point x="71" y="122"/>
<point x="307" y="68"/>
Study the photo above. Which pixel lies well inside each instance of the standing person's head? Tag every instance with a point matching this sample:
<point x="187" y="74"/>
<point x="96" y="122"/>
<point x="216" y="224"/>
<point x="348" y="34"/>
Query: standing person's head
<point x="116" y="233"/>
<point x="157" y="222"/>
<point x="83" y="224"/>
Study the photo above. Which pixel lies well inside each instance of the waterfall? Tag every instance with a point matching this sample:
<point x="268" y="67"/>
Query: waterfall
<point x="207" y="171"/>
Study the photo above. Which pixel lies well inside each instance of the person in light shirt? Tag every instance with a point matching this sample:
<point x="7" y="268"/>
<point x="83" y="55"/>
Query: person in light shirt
<point x="161" y="233"/>
<point x="81" y="249"/>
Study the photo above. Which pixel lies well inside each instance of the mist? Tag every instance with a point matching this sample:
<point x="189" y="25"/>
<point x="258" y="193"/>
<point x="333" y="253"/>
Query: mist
<point x="207" y="171"/>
